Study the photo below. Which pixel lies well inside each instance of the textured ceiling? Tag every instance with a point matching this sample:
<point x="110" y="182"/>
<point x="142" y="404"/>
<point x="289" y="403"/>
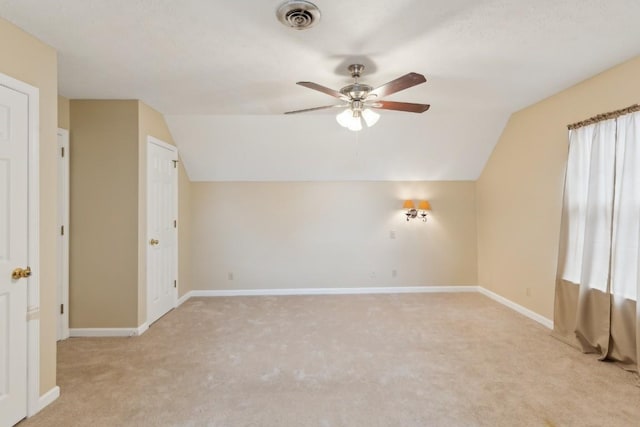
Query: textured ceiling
<point x="223" y="72"/>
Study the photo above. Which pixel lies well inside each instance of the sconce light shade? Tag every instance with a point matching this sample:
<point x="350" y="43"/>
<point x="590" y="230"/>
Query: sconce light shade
<point x="412" y="212"/>
<point x="424" y="205"/>
<point x="408" y="204"/>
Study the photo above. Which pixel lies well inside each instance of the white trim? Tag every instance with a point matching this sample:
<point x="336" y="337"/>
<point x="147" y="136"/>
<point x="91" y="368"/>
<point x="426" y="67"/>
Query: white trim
<point x="162" y="144"/>
<point x="33" y="362"/>
<point x="108" y="332"/>
<point x="383" y="290"/>
<point x="142" y="329"/>
<point x="62" y="287"/>
<point x="33" y="283"/>
<point x="184" y="298"/>
<point x="48" y="398"/>
<point x="332" y="291"/>
<point x="517" y="307"/>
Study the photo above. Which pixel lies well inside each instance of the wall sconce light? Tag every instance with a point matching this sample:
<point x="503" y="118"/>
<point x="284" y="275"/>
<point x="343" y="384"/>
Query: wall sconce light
<point x="412" y="212"/>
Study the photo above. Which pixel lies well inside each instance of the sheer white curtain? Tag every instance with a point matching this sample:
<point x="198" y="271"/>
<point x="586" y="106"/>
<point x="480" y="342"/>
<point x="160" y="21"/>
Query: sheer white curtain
<point x="599" y="267"/>
<point x="589" y="203"/>
<point x="625" y="265"/>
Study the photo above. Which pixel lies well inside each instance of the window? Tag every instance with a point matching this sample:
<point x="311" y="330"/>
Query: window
<point x="602" y="206"/>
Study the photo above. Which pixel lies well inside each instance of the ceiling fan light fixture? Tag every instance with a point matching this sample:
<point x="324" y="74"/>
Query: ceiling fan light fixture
<point x="351" y="119"/>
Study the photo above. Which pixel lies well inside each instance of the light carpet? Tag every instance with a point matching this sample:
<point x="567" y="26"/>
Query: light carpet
<point x="334" y="361"/>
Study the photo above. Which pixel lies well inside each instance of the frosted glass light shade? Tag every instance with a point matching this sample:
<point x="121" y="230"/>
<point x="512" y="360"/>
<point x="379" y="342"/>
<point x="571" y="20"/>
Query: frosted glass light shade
<point x="370" y="117"/>
<point x="345" y="117"/>
<point x="356" y="124"/>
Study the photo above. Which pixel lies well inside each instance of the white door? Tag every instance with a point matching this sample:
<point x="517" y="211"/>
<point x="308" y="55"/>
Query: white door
<point x="63" y="234"/>
<point x="13" y="254"/>
<point x="162" y="211"/>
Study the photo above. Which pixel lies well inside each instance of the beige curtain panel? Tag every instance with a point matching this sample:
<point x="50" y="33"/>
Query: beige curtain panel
<point x="598" y="280"/>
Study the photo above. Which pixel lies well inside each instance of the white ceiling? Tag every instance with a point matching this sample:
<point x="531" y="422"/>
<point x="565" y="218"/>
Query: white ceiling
<point x="223" y="72"/>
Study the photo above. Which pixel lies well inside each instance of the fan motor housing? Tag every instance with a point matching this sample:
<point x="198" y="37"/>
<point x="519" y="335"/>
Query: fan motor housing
<point x="356" y="90"/>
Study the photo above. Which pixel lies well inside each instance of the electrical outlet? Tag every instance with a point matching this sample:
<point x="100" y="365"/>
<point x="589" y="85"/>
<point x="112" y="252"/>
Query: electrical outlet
<point x="528" y="292"/>
<point x="394" y="273"/>
<point x="230" y="276"/>
<point x="392" y="234"/>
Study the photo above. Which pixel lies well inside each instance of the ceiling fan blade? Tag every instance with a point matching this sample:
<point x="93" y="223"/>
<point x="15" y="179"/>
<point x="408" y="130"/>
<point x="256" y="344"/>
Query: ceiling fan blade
<point x="401" y="106"/>
<point x="323" y="89"/>
<point x="316" y="108"/>
<point x="401" y="83"/>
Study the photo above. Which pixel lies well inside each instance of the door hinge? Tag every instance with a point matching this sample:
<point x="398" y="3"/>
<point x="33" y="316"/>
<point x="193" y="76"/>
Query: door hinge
<point x="62" y="230"/>
<point x="62" y="151"/>
<point x="175" y="283"/>
<point x="175" y="223"/>
<point x="61" y="308"/>
<point x="175" y="163"/>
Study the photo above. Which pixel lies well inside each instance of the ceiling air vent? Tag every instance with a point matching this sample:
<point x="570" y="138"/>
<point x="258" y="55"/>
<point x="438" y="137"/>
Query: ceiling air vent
<point x="298" y="14"/>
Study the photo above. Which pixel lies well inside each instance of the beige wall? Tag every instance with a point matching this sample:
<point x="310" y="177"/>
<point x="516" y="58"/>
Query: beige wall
<point x="520" y="190"/>
<point x="330" y="234"/>
<point x="104" y="214"/>
<point x="64" y="121"/>
<point x="110" y="137"/>
<point x="27" y="59"/>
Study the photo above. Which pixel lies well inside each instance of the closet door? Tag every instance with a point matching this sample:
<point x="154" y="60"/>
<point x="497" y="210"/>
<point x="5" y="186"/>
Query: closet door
<point x="162" y="209"/>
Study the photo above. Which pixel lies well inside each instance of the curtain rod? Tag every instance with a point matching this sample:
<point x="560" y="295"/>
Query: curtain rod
<point x="605" y="116"/>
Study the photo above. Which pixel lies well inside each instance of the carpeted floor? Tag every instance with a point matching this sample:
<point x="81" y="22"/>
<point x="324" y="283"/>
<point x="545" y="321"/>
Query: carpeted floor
<point x="328" y="361"/>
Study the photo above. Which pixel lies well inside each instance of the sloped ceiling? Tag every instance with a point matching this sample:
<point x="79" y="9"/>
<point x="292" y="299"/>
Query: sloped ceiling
<point x="223" y="72"/>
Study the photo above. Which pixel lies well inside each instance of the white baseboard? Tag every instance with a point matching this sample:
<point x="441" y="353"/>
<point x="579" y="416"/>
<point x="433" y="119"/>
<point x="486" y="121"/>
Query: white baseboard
<point x="128" y="332"/>
<point x="48" y="398"/>
<point x="108" y="332"/>
<point x="184" y="298"/>
<point x="381" y="290"/>
<point x="330" y="291"/>
<point x="142" y="329"/>
<point x="517" y="307"/>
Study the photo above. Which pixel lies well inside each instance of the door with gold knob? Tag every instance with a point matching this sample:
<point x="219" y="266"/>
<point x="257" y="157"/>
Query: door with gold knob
<point x="162" y="210"/>
<point x="14" y="270"/>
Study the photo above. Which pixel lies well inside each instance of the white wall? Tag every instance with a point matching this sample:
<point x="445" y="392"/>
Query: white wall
<point x="330" y="234"/>
<point x="312" y="147"/>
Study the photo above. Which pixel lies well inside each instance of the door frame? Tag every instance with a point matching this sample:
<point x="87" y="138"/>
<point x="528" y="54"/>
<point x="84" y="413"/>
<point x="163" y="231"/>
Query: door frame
<point x="33" y="283"/>
<point x="174" y="149"/>
<point x="62" y="281"/>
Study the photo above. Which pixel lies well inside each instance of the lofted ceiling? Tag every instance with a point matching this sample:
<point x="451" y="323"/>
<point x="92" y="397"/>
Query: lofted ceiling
<point x="223" y="72"/>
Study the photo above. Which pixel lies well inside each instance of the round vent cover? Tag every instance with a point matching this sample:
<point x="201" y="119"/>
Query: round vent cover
<point x="298" y="14"/>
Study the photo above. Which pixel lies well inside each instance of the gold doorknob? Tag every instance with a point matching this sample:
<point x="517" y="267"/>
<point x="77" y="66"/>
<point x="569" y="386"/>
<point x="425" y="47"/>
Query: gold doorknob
<point x="154" y="242"/>
<point x="21" y="273"/>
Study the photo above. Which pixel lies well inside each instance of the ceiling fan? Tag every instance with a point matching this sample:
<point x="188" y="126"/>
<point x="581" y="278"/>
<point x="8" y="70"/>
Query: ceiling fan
<point x="359" y="99"/>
